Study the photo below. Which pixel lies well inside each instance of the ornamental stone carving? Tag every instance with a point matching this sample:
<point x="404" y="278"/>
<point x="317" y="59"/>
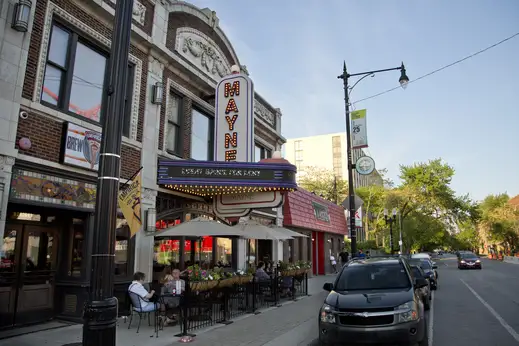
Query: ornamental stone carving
<point x="149" y="194"/>
<point x="139" y="12"/>
<point x="265" y="114"/>
<point x="200" y="50"/>
<point x="6" y="163"/>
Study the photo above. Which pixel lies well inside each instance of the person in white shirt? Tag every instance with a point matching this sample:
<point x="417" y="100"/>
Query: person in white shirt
<point x="333" y="261"/>
<point x="143" y="295"/>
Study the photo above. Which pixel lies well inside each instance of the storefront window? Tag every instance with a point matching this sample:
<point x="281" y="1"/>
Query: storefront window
<point x="122" y="240"/>
<point x="7" y="256"/>
<point x="76" y="258"/>
<point x="224" y="251"/>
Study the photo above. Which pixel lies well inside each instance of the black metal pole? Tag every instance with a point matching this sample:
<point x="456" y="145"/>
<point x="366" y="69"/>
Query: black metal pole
<point x="391" y="236"/>
<point x="100" y="314"/>
<point x="351" y="192"/>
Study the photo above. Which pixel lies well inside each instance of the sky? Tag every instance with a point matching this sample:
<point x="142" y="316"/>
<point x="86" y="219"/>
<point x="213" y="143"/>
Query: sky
<point x="466" y="114"/>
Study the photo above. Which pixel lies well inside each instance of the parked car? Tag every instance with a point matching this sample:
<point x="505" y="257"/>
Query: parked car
<point x="425" y="292"/>
<point x="421" y="255"/>
<point x="430" y="270"/>
<point x="469" y="260"/>
<point x="375" y="300"/>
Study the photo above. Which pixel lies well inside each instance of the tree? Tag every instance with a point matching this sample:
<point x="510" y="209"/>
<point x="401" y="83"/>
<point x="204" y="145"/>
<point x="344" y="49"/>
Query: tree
<point x="500" y="221"/>
<point x="323" y="182"/>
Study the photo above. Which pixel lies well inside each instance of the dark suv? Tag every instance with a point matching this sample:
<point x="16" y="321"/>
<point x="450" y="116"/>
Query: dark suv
<point x="374" y="301"/>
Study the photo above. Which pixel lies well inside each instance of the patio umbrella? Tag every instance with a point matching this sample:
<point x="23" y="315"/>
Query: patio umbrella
<point x="200" y="227"/>
<point x="288" y="232"/>
<point x="254" y="230"/>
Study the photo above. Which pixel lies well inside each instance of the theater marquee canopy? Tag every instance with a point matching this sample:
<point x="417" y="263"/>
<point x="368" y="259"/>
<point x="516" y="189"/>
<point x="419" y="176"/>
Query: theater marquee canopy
<point x="206" y="178"/>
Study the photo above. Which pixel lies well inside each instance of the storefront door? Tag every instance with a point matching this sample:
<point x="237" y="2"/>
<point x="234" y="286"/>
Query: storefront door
<point x="27" y="272"/>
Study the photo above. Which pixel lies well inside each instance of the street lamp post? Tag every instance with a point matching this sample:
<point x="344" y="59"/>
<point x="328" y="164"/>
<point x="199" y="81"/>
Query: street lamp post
<point x="389" y="221"/>
<point x="100" y="313"/>
<point x="351" y="166"/>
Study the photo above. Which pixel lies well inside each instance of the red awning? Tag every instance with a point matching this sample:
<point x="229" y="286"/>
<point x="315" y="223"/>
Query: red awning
<point x="300" y="208"/>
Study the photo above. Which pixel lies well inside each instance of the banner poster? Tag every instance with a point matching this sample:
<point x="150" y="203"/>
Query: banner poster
<point x="359" y="131"/>
<point x="358" y="217"/>
<point x="130" y="204"/>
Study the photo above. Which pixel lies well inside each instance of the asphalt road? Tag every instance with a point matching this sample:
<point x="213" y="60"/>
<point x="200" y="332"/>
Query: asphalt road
<point x="471" y="307"/>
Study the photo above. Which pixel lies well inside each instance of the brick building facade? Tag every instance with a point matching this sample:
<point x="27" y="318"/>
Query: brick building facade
<point x="52" y="80"/>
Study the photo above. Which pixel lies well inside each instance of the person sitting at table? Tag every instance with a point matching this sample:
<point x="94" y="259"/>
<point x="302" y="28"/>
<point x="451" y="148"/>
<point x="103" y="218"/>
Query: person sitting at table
<point x="261" y="275"/>
<point x="174" y="286"/>
<point x="148" y="300"/>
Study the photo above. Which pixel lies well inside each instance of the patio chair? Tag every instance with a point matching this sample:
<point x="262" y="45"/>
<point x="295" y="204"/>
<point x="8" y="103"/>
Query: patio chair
<point x="136" y="307"/>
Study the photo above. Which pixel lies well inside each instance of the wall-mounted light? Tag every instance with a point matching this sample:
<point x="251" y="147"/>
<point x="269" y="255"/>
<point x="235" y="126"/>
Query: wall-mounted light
<point x="21" y="15"/>
<point x="158" y="88"/>
<point x="151" y="220"/>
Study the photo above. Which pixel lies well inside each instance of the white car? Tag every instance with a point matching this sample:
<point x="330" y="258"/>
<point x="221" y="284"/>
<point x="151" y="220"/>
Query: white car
<point x="421" y="255"/>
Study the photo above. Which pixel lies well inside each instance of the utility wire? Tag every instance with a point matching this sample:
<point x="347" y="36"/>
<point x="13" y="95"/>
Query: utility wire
<point x="441" y="68"/>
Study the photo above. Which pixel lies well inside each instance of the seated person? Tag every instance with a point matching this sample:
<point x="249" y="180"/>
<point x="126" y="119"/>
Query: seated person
<point x="173" y="287"/>
<point x="145" y="297"/>
<point x="261" y="275"/>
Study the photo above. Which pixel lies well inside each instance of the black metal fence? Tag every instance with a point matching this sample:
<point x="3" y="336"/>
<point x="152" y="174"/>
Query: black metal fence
<point x="223" y="303"/>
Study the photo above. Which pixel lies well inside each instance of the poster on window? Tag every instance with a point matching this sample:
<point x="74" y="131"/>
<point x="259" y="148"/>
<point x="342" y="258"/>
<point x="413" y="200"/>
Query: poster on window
<point x="359" y="131"/>
<point x="81" y="147"/>
<point x="130" y="204"/>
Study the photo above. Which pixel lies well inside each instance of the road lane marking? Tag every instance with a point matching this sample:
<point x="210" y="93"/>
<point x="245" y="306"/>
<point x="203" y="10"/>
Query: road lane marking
<point x="430" y="330"/>
<point x="498" y="317"/>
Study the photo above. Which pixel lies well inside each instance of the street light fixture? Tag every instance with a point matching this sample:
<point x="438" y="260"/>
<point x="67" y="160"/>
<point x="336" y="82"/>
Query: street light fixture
<point x="390" y="221"/>
<point x="404" y="80"/>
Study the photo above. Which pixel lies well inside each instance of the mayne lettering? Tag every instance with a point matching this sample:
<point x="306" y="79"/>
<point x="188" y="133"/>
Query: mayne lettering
<point x="231" y="121"/>
<point x="231" y="140"/>
<point x="231" y="107"/>
<point x="232" y="90"/>
<point x="75" y="144"/>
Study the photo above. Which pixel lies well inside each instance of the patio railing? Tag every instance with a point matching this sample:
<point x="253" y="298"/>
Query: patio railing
<point x="206" y="303"/>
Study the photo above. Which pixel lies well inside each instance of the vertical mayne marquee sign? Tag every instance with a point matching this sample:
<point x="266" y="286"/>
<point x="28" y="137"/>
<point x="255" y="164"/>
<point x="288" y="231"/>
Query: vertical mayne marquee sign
<point x="358" y="129"/>
<point x="234" y="125"/>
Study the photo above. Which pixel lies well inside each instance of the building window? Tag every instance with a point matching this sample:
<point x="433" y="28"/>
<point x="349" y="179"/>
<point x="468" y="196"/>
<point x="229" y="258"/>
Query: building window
<point x="201" y="136"/>
<point x="261" y="153"/>
<point x="298" y="145"/>
<point x="78" y="236"/>
<point x="174" y="116"/>
<point x="299" y="155"/>
<point x="75" y="76"/>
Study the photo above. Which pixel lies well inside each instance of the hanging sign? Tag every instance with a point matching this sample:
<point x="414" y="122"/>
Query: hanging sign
<point x="359" y="131"/>
<point x="234" y="123"/>
<point x="81" y="147"/>
<point x="130" y="204"/>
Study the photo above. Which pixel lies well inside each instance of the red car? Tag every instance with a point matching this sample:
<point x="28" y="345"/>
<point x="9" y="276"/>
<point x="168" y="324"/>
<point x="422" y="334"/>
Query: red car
<point x="468" y="260"/>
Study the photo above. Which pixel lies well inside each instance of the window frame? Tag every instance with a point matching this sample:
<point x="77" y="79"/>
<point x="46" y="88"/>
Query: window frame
<point x="65" y="88"/>
<point x="265" y="153"/>
<point x="181" y="120"/>
<point x="210" y="144"/>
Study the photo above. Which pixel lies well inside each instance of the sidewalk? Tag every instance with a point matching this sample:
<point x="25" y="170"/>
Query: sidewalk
<point x="261" y="328"/>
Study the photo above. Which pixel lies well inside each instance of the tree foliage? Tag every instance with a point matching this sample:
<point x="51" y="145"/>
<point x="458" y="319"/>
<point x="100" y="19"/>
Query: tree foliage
<point x="323" y="182"/>
<point x="430" y="214"/>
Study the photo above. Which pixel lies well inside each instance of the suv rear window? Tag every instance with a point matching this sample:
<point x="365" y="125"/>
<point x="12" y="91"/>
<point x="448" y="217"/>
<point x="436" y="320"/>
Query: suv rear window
<point x="373" y="277"/>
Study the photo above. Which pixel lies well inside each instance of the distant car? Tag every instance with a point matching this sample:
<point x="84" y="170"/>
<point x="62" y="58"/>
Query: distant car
<point x="374" y="300"/>
<point x="429" y="269"/>
<point x="469" y="260"/>
<point x="421" y="255"/>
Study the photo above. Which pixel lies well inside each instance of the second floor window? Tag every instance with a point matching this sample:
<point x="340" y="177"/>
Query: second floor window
<point x="201" y="136"/>
<point x="75" y="76"/>
<point x="261" y="153"/>
<point x="174" y="116"/>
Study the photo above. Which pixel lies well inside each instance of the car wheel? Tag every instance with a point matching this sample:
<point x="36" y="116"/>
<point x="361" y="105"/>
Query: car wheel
<point x="425" y="340"/>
